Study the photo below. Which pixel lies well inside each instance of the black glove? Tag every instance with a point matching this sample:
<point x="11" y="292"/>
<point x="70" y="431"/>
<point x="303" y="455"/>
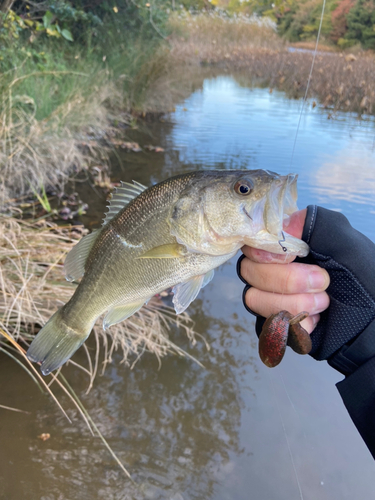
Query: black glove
<point x="345" y="334"/>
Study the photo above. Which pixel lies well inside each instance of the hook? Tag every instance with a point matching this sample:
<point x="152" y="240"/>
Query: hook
<point x="282" y="241"/>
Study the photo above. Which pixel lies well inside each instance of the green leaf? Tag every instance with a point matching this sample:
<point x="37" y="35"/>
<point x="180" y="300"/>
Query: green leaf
<point x="47" y="19"/>
<point x="67" y="35"/>
<point x="52" y="31"/>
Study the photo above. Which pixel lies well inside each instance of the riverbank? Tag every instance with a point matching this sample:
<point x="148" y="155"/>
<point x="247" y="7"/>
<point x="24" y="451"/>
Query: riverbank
<point x="340" y="80"/>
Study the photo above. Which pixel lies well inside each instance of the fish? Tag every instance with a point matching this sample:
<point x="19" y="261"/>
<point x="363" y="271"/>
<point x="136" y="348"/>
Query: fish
<point x="172" y="234"/>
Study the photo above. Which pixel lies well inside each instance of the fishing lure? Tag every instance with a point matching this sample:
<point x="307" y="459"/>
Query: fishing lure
<point x="280" y="330"/>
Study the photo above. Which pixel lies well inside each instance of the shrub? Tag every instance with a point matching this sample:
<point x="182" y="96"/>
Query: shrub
<point x="361" y="23"/>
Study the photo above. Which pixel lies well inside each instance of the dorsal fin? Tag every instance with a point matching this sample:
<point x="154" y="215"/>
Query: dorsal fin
<point x="74" y="265"/>
<point x="121" y="196"/>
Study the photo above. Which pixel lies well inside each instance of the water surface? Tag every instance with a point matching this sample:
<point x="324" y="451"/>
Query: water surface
<point x="233" y="429"/>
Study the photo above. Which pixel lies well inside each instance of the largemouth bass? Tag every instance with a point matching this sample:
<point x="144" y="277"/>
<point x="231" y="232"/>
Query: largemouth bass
<point x="173" y="234"/>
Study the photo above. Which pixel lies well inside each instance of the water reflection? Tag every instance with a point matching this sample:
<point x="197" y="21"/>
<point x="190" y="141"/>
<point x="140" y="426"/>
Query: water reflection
<point x="349" y="176"/>
<point x="176" y="428"/>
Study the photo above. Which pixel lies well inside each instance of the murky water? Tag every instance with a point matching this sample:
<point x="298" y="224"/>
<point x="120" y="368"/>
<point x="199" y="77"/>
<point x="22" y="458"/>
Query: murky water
<point x="234" y="429"/>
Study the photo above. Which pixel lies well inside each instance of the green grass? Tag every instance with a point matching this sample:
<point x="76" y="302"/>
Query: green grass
<point x="54" y="94"/>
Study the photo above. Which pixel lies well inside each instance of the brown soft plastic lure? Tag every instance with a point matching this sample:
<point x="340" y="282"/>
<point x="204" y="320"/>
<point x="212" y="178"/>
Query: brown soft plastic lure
<point x="280" y="330"/>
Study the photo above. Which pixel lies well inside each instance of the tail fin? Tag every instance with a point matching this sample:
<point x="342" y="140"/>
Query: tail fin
<point x="55" y="343"/>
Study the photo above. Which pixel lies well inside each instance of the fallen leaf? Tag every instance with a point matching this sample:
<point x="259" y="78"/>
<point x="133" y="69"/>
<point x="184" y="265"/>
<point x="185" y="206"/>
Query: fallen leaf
<point x="131" y="146"/>
<point x="156" y="149"/>
<point x="44" y="436"/>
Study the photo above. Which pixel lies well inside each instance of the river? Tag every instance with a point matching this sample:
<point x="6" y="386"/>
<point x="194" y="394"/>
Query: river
<point x="233" y="429"/>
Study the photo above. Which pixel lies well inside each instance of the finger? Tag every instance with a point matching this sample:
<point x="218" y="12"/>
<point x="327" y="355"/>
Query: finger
<point x="293" y="225"/>
<point x="266" y="303"/>
<point x="257" y="255"/>
<point x="294" y="278"/>
<point x="310" y="323"/>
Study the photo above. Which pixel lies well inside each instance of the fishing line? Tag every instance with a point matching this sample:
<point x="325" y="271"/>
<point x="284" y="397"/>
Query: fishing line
<point x="281" y="241"/>
<point x="286" y="438"/>
<point x="308" y="81"/>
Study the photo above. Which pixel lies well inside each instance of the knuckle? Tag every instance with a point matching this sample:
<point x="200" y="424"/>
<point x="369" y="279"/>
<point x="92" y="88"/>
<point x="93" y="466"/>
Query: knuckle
<point x="295" y="279"/>
<point x="305" y="302"/>
<point x="249" y="298"/>
<point x="290" y="282"/>
<point x="244" y="270"/>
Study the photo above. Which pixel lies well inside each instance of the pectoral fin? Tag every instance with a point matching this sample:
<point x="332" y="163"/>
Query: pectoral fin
<point x="170" y="251"/>
<point x="208" y="277"/>
<point x="185" y="293"/>
<point x="121" y="312"/>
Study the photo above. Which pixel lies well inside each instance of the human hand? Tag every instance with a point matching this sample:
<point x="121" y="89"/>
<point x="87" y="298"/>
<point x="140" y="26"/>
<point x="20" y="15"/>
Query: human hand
<point x="345" y="332"/>
<point x="278" y="283"/>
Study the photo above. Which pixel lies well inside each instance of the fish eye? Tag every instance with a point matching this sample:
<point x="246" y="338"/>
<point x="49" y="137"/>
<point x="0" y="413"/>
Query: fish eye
<point x="243" y="187"/>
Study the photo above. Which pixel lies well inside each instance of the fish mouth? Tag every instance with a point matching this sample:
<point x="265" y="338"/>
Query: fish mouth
<point x="279" y="204"/>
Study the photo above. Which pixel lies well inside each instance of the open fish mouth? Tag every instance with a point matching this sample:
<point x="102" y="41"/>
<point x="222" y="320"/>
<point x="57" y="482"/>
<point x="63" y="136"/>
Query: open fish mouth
<point x="281" y="202"/>
<point x="269" y="215"/>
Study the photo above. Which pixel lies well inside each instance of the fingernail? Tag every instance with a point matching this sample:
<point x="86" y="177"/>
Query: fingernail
<point x="320" y="302"/>
<point x="315" y="318"/>
<point x="316" y="281"/>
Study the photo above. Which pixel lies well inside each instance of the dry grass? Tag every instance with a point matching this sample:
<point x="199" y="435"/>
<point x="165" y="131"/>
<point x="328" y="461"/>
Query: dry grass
<point x="33" y="287"/>
<point x="341" y="81"/>
<point x="213" y="37"/>
<point x="311" y="46"/>
<point x="35" y="153"/>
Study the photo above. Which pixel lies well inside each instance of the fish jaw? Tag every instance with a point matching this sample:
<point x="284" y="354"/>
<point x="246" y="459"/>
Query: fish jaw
<point x="268" y="217"/>
<point x="280" y="244"/>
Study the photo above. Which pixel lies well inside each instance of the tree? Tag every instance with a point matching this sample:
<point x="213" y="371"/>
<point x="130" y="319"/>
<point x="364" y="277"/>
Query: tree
<point x="361" y="23"/>
<point x="339" y="21"/>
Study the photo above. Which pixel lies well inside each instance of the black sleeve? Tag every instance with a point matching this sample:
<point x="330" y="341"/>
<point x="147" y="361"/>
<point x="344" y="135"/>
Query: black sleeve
<point x="345" y="334"/>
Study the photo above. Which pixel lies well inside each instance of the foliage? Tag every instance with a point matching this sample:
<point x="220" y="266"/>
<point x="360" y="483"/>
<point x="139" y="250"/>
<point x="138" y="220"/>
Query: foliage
<point x="345" y="22"/>
<point x="339" y="22"/>
<point x="361" y="23"/>
<point x="59" y="89"/>
<point x="13" y="24"/>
